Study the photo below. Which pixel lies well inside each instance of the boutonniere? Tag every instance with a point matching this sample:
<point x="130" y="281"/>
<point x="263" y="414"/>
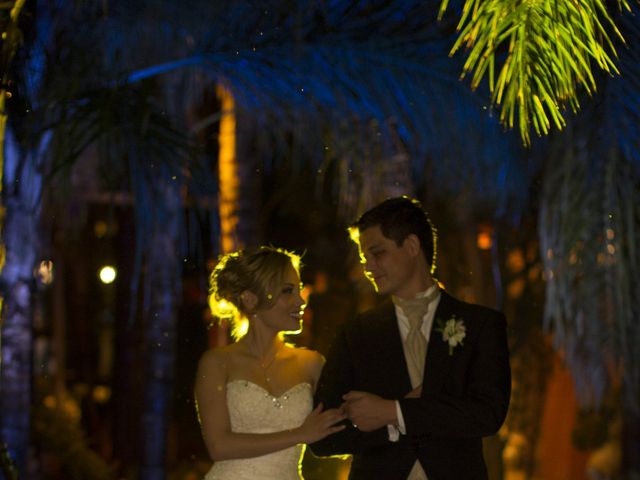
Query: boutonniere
<point x="453" y="331"/>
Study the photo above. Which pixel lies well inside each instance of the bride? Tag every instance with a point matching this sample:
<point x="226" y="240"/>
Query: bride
<point x="255" y="397"/>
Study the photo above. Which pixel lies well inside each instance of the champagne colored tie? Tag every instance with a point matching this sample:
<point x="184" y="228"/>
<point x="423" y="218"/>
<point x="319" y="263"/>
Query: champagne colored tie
<point x="415" y="344"/>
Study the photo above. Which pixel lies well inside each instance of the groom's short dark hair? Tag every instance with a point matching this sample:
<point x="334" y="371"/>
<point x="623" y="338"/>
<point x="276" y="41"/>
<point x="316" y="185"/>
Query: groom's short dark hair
<point x="399" y="217"/>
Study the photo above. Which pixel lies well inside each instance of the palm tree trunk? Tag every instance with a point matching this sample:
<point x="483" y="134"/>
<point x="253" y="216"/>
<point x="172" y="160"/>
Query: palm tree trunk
<point x="163" y="274"/>
<point x="22" y="188"/>
<point x="239" y="186"/>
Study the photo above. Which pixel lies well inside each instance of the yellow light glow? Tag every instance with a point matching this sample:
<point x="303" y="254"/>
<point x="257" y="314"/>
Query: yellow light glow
<point x="516" y="287"/>
<point x="484" y="240"/>
<point x="305" y="291"/>
<point x="354" y="234"/>
<point x="3" y="251"/>
<point x="573" y="258"/>
<point x="515" y="260"/>
<point x="227" y="172"/>
<point x="101" y="394"/>
<point x="535" y="273"/>
<point x="100" y="228"/>
<point x="221" y="308"/>
<point x="107" y="274"/>
<point x="241" y="328"/>
<point x="44" y="273"/>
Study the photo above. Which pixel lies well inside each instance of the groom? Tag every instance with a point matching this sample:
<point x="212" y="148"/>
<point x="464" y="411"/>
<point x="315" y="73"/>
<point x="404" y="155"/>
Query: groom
<point x="422" y="379"/>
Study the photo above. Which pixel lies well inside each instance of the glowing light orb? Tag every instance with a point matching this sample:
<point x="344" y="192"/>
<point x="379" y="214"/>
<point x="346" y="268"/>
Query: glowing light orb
<point x="484" y="240"/>
<point x="107" y="274"/>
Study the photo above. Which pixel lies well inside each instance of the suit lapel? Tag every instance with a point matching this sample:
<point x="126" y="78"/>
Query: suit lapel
<point x="438" y="360"/>
<point x="389" y="335"/>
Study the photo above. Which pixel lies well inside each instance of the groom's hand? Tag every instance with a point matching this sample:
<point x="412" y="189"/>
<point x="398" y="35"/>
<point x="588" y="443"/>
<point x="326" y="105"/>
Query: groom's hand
<point x="369" y="412"/>
<point x="415" y="393"/>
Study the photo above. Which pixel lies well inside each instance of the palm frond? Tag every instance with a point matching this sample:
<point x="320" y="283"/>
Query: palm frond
<point x="589" y="236"/>
<point x="329" y="66"/>
<point x="538" y="56"/>
<point x="589" y="243"/>
<point x="135" y="147"/>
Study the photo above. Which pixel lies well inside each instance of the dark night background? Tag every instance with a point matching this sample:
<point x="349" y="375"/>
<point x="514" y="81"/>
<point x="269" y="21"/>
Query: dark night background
<point x="153" y="136"/>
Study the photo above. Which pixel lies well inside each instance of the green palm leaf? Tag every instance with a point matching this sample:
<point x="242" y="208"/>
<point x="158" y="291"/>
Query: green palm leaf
<point x="544" y="50"/>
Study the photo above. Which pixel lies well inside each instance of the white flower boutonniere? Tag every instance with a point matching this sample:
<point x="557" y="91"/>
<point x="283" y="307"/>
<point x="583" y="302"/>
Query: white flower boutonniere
<point x="453" y="332"/>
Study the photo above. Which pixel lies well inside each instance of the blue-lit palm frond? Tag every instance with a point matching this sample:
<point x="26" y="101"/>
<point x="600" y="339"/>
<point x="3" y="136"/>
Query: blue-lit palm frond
<point x="621" y="95"/>
<point x="589" y="235"/>
<point x="134" y="147"/>
<point x="325" y="64"/>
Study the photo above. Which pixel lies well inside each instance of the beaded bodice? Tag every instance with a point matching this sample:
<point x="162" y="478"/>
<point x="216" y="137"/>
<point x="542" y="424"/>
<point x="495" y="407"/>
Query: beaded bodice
<point x="254" y="410"/>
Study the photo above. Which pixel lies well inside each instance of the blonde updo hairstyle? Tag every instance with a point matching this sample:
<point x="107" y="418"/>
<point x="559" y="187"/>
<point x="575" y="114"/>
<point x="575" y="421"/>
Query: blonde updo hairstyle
<point x="260" y="271"/>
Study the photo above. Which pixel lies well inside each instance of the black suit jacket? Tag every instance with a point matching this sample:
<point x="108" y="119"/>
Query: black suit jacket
<point x="465" y="395"/>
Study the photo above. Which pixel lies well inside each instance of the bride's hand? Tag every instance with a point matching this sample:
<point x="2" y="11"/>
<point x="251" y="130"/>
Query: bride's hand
<point x="321" y="423"/>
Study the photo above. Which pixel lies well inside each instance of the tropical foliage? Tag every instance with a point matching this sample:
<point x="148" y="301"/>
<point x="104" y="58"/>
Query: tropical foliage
<point x="589" y="231"/>
<point x="65" y="103"/>
<point x="366" y="90"/>
<point x="11" y="41"/>
<point x="57" y="431"/>
<point x="376" y="77"/>
<point x="538" y="57"/>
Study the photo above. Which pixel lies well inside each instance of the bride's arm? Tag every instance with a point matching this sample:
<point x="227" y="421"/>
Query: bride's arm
<point x="222" y="443"/>
<point x="313" y="362"/>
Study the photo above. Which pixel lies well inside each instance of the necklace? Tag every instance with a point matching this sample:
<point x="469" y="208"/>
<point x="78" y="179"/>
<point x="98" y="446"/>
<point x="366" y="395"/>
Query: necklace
<point x="265" y="367"/>
<point x="267" y="363"/>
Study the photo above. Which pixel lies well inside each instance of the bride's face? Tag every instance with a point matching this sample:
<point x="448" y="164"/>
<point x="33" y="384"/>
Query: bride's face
<point x="286" y="313"/>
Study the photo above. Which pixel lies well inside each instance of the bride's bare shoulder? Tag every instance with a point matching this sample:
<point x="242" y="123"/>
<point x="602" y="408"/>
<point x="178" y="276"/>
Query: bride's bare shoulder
<point x="311" y="361"/>
<point x="218" y="358"/>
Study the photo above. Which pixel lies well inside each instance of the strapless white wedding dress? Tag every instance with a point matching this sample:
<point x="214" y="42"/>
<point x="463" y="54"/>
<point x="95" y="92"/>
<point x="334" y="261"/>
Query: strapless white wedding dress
<point x="253" y="410"/>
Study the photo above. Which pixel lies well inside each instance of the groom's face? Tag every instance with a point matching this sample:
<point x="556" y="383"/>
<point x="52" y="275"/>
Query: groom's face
<point x="389" y="267"/>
